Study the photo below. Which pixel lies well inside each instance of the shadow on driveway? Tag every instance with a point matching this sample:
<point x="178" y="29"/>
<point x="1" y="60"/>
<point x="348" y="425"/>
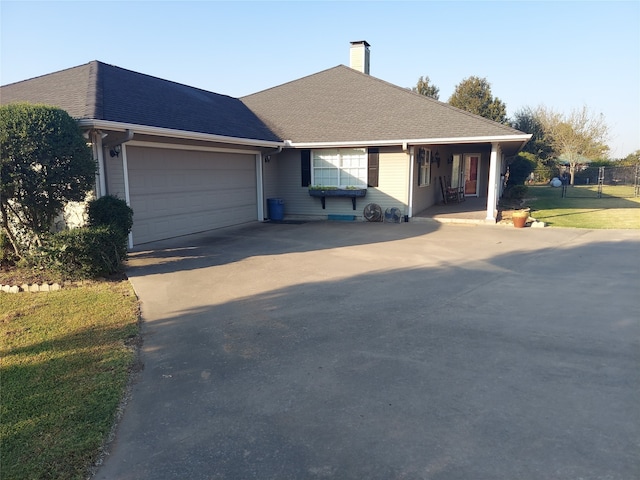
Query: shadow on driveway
<point x="414" y="352"/>
<point x="257" y="239"/>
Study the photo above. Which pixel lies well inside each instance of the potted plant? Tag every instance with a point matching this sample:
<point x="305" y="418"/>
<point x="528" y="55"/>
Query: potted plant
<point x="520" y="217"/>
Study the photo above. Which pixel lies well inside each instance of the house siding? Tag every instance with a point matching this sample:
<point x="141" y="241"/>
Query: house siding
<point x="115" y="174"/>
<point x="392" y="190"/>
<point x="271" y="181"/>
<point x="393" y="186"/>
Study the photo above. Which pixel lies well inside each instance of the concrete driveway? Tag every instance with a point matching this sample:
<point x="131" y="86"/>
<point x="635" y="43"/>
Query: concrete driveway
<point x="384" y="351"/>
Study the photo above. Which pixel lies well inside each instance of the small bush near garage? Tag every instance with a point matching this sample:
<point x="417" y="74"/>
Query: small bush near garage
<point x="110" y="211"/>
<point x="83" y="253"/>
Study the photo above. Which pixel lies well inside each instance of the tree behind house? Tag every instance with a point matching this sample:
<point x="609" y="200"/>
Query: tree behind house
<point x="474" y="95"/>
<point x="527" y="121"/>
<point x="426" y="88"/>
<point x="575" y="136"/>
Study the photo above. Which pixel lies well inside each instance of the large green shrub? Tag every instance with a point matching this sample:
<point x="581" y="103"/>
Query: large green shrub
<point x="44" y="164"/>
<point x="83" y="253"/>
<point x="110" y="211"/>
<point x="520" y="169"/>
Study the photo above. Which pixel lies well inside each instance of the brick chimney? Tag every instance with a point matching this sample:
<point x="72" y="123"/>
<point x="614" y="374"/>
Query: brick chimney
<point x="359" y="56"/>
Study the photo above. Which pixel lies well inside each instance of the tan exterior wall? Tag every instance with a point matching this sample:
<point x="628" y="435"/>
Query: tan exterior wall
<point x="271" y="180"/>
<point x="393" y="189"/>
<point x="286" y="167"/>
<point x="393" y="186"/>
<point x="425" y="196"/>
<point x="115" y="174"/>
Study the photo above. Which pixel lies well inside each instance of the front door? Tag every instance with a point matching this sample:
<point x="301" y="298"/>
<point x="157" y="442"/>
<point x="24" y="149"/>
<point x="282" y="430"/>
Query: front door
<point x="471" y="166"/>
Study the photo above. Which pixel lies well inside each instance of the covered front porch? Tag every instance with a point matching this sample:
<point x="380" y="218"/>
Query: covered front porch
<point x="471" y="210"/>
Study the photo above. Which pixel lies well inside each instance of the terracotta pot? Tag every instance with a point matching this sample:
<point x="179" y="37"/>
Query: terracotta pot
<point x="519" y="222"/>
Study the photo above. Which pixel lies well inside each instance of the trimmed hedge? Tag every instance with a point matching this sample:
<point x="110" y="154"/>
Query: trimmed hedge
<point x="110" y="210"/>
<point x="83" y="253"/>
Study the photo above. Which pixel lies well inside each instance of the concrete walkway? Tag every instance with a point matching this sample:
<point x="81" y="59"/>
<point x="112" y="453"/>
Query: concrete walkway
<point x="384" y="351"/>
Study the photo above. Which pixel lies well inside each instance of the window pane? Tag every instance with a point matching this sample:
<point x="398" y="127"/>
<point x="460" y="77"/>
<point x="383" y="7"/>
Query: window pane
<point x="340" y="167"/>
<point x="424" y="172"/>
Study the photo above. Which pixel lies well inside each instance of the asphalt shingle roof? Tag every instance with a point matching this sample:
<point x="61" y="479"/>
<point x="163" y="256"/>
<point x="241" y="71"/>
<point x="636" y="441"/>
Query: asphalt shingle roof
<point x="345" y="105"/>
<point x="105" y="92"/>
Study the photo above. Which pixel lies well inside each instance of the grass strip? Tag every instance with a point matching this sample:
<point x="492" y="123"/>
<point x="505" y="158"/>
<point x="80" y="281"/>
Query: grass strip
<point x="66" y="359"/>
<point x="617" y="209"/>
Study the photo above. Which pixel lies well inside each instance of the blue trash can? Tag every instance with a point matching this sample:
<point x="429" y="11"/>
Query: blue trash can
<point x="276" y="208"/>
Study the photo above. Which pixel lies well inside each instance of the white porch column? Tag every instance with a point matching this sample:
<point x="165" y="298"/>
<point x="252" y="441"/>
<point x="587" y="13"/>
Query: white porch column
<point x="410" y="199"/>
<point x="494" y="183"/>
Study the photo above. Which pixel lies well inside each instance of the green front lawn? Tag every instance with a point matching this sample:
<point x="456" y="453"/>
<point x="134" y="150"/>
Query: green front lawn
<point x="66" y="360"/>
<point x="583" y="209"/>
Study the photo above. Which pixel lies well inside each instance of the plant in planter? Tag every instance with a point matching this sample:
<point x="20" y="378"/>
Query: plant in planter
<point x="520" y="217"/>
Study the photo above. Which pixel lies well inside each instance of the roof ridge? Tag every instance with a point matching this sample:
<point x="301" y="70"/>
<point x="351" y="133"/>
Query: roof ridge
<point x="164" y="80"/>
<point x="47" y="74"/>
<point x="94" y="101"/>
<point x="294" y="81"/>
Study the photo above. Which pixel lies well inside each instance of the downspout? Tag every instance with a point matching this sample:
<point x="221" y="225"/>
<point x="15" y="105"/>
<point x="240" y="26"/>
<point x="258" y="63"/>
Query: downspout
<point x="125" y="174"/>
<point x="111" y="141"/>
<point x="273" y="151"/>
<point x="261" y="159"/>
<point x="101" y="175"/>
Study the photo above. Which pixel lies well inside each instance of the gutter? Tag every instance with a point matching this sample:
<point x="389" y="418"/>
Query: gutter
<point x="267" y="153"/>
<point x="184" y="134"/>
<point x="415" y="141"/>
<point x="114" y="139"/>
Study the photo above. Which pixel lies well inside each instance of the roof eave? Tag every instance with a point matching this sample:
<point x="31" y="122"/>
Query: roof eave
<point x="523" y="138"/>
<point x="183" y="134"/>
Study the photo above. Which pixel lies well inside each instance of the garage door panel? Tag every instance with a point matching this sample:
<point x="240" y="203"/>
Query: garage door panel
<point x="157" y="205"/>
<point x="176" y="192"/>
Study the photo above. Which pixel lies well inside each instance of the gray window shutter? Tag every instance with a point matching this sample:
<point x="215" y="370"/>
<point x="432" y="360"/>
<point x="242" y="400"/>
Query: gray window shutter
<point x="305" y="167"/>
<point x="373" y="167"/>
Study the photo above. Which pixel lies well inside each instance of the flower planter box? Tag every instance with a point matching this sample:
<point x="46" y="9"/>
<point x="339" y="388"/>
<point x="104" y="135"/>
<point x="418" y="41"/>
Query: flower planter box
<point x="352" y="193"/>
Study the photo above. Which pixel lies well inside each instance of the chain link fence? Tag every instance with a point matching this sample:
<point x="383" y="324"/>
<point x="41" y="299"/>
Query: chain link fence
<point x="592" y="182"/>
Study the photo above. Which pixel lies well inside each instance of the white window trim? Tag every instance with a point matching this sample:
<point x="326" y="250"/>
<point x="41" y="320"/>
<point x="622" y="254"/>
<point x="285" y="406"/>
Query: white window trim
<point x="363" y="181"/>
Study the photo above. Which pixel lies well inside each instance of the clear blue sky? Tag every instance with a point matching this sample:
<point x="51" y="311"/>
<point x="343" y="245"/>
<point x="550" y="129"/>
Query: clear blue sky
<point x="560" y="54"/>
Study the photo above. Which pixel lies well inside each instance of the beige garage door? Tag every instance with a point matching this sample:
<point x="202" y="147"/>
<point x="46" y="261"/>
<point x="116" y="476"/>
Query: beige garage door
<point x="177" y="192"/>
